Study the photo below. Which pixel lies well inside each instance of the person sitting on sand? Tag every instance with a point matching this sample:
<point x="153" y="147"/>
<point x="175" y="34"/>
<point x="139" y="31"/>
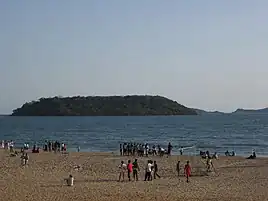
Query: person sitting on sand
<point x="69" y="180"/>
<point x="253" y="156"/>
<point x="122" y="169"/>
<point x="136" y="168"/>
<point x="187" y="171"/>
<point x="129" y="169"/>
<point x="178" y="168"/>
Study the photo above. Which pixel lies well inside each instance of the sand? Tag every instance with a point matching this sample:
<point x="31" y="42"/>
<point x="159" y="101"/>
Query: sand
<point x="43" y="179"/>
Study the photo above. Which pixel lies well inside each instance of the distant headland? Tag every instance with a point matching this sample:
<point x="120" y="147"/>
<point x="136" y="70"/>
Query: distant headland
<point x="132" y="105"/>
<point x="238" y="111"/>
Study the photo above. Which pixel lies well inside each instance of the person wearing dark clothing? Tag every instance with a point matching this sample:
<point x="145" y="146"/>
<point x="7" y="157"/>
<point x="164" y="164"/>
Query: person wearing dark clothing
<point x="178" y="168"/>
<point x="121" y="150"/>
<point x="169" y="148"/>
<point x="156" y="170"/>
<point x="135" y="169"/>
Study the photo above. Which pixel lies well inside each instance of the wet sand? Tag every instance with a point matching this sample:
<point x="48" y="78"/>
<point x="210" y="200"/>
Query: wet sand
<point x="43" y="179"/>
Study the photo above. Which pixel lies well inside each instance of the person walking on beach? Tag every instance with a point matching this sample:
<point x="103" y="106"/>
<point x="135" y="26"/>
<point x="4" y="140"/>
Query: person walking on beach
<point x="122" y="169"/>
<point x="209" y="165"/>
<point x="187" y="171"/>
<point x="136" y="168"/>
<point x="178" y="168"/>
<point x="129" y="169"/>
<point x="148" y="171"/>
<point x="156" y="170"/>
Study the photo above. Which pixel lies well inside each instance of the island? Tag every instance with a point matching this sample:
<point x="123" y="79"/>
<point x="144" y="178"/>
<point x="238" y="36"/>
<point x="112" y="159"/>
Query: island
<point x="131" y="105"/>
<point x="251" y="111"/>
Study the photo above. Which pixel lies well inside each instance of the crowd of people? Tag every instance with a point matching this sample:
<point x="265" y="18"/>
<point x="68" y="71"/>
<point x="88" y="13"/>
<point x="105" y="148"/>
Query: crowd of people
<point x="7" y="144"/>
<point x="139" y="149"/>
<point x="55" y="146"/>
<point x="132" y="169"/>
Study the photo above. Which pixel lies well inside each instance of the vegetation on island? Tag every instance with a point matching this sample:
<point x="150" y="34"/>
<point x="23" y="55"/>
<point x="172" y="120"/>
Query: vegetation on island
<point x="103" y="106"/>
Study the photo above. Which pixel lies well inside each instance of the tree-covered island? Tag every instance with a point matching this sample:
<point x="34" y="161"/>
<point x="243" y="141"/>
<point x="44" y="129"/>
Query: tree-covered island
<point x="103" y="106"/>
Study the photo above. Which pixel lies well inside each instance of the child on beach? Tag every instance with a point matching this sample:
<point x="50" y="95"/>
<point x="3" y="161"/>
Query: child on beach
<point x="70" y="180"/>
<point x="122" y="169"/>
<point x="187" y="171"/>
<point x="129" y="169"/>
<point x="24" y="159"/>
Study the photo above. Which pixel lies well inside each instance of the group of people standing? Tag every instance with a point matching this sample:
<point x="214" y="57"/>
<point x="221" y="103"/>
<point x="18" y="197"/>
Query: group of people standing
<point x="151" y="170"/>
<point x="133" y="149"/>
<point x="132" y="168"/>
<point x="8" y="145"/>
<point x="54" y="146"/>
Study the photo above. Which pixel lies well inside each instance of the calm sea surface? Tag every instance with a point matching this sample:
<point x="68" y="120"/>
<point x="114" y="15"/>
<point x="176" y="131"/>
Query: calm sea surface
<point x="240" y="133"/>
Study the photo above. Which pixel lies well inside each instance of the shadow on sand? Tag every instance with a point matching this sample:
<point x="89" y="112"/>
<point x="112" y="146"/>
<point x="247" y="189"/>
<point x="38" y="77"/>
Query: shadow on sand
<point x="243" y="166"/>
<point x="62" y="184"/>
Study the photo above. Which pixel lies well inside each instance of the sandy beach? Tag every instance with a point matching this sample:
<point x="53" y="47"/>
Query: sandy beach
<point x="235" y="178"/>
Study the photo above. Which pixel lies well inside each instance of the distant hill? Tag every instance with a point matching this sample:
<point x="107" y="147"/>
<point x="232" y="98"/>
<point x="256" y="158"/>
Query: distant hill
<point x="204" y="112"/>
<point x="251" y="111"/>
<point x="103" y="106"/>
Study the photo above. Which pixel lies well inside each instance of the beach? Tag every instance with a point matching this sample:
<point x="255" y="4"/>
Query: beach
<point x="235" y="178"/>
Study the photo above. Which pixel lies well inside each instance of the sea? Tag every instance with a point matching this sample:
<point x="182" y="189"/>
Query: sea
<point x="213" y="132"/>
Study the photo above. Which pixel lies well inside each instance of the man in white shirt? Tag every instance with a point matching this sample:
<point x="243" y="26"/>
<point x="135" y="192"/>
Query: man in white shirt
<point x="122" y="170"/>
<point x="148" y="173"/>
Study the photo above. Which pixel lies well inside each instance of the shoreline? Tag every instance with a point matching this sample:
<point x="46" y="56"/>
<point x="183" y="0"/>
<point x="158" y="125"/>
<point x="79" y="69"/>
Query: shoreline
<point x="117" y="153"/>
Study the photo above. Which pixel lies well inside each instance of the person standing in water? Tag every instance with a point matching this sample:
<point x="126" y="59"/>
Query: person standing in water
<point x="136" y="168"/>
<point x="181" y="151"/>
<point x="187" y="171"/>
<point x="169" y="149"/>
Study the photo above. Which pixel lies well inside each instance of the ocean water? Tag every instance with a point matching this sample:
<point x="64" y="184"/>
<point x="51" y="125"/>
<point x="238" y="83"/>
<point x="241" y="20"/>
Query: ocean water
<point x="240" y="133"/>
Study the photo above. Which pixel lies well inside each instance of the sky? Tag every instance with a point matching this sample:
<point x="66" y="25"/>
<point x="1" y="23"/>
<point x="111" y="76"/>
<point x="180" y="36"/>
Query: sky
<point x="206" y="54"/>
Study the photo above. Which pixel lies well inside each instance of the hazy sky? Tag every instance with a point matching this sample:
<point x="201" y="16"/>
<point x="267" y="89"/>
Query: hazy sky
<point x="210" y="54"/>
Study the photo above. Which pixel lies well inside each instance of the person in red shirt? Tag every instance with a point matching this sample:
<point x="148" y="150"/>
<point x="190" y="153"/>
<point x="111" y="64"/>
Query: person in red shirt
<point x="187" y="171"/>
<point x="129" y="169"/>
